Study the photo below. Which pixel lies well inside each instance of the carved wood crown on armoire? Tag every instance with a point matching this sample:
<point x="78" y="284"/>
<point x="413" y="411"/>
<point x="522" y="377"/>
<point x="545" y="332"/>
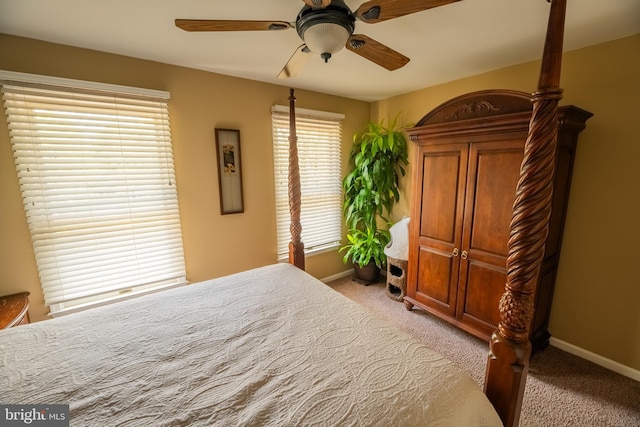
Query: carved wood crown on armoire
<point x="466" y="168"/>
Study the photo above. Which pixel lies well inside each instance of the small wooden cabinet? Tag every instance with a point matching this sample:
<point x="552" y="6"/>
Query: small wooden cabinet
<point x="14" y="310"/>
<point x="466" y="168"/>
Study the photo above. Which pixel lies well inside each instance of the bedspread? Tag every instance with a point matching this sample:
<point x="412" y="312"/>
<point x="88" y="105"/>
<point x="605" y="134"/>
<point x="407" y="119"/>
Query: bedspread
<point x="267" y="347"/>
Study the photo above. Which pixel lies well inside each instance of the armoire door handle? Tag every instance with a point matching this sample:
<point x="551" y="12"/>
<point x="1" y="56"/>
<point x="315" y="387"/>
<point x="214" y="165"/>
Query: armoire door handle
<point x="464" y="255"/>
<point x="456" y="251"/>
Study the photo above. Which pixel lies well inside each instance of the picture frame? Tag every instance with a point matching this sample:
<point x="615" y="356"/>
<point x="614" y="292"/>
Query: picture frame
<point x="229" y="171"/>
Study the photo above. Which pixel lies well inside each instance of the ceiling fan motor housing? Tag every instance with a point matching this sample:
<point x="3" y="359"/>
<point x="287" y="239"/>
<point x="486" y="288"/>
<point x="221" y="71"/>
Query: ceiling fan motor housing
<point x="325" y="30"/>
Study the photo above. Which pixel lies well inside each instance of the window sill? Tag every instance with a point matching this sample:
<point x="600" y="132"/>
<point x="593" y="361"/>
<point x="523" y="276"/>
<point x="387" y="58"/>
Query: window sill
<point x="312" y="252"/>
<point x="58" y="310"/>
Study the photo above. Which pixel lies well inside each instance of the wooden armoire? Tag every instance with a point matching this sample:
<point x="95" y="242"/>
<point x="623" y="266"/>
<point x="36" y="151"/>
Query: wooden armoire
<point x="465" y="170"/>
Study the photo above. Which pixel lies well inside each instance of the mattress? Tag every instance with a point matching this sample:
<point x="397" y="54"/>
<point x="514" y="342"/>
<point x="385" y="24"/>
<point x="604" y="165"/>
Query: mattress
<point x="266" y="347"/>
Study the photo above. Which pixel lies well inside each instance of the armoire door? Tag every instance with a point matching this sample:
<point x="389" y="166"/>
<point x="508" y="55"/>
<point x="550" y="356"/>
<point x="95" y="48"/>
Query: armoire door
<point x="493" y="173"/>
<point x="443" y="170"/>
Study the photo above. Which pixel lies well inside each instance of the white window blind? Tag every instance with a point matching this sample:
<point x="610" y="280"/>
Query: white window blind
<point x="319" y="155"/>
<point x="97" y="178"/>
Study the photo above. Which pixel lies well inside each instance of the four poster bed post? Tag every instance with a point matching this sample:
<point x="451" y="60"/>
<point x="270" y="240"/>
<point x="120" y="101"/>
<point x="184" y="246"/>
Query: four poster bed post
<point x="510" y="347"/>
<point x="296" y="246"/>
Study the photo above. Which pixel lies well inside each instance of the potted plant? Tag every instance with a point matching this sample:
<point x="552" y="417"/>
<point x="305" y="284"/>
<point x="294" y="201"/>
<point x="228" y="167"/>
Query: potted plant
<point x="378" y="156"/>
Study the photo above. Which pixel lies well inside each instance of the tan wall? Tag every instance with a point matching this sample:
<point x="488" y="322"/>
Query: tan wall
<point x="597" y="296"/>
<point x="214" y="245"/>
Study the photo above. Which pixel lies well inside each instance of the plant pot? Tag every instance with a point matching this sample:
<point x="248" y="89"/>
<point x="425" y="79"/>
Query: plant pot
<point x="368" y="274"/>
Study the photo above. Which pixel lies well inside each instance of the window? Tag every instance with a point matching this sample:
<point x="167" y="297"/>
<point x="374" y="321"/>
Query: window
<point x="319" y="155"/>
<point x="95" y="168"/>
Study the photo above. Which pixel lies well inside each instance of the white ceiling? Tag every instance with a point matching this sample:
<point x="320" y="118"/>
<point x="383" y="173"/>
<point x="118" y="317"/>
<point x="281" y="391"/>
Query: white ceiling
<point x="444" y="43"/>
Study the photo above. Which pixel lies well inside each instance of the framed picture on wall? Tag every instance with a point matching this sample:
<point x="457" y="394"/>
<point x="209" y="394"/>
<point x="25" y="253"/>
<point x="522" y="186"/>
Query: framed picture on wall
<point x="229" y="171"/>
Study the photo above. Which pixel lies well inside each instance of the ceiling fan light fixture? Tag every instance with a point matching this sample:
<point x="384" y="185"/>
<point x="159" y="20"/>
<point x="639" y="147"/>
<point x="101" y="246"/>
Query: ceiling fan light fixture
<point x="326" y="38"/>
<point x="326" y="31"/>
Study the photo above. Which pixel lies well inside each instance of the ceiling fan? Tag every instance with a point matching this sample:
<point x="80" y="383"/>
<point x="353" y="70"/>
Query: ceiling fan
<point x="325" y="26"/>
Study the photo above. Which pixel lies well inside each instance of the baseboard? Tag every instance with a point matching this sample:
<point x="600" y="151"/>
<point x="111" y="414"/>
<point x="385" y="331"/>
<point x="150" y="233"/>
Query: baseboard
<point x="337" y="276"/>
<point x="596" y="358"/>
<point x="345" y="274"/>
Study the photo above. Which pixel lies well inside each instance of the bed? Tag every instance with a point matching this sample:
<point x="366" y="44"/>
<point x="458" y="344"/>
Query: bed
<point x="267" y="347"/>
<point x="274" y="346"/>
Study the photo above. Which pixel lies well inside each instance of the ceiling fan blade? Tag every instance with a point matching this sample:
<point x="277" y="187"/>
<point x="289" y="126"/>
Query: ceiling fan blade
<point x="376" y="52"/>
<point x="318" y="3"/>
<point x="296" y="63"/>
<point x="381" y="10"/>
<point x="230" y="25"/>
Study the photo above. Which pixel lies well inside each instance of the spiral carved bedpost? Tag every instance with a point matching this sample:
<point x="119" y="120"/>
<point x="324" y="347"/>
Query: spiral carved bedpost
<point x="296" y="246"/>
<point x="510" y="347"/>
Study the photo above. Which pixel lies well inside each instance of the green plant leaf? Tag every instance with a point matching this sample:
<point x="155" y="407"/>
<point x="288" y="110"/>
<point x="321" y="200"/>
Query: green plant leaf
<point x="378" y="155"/>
